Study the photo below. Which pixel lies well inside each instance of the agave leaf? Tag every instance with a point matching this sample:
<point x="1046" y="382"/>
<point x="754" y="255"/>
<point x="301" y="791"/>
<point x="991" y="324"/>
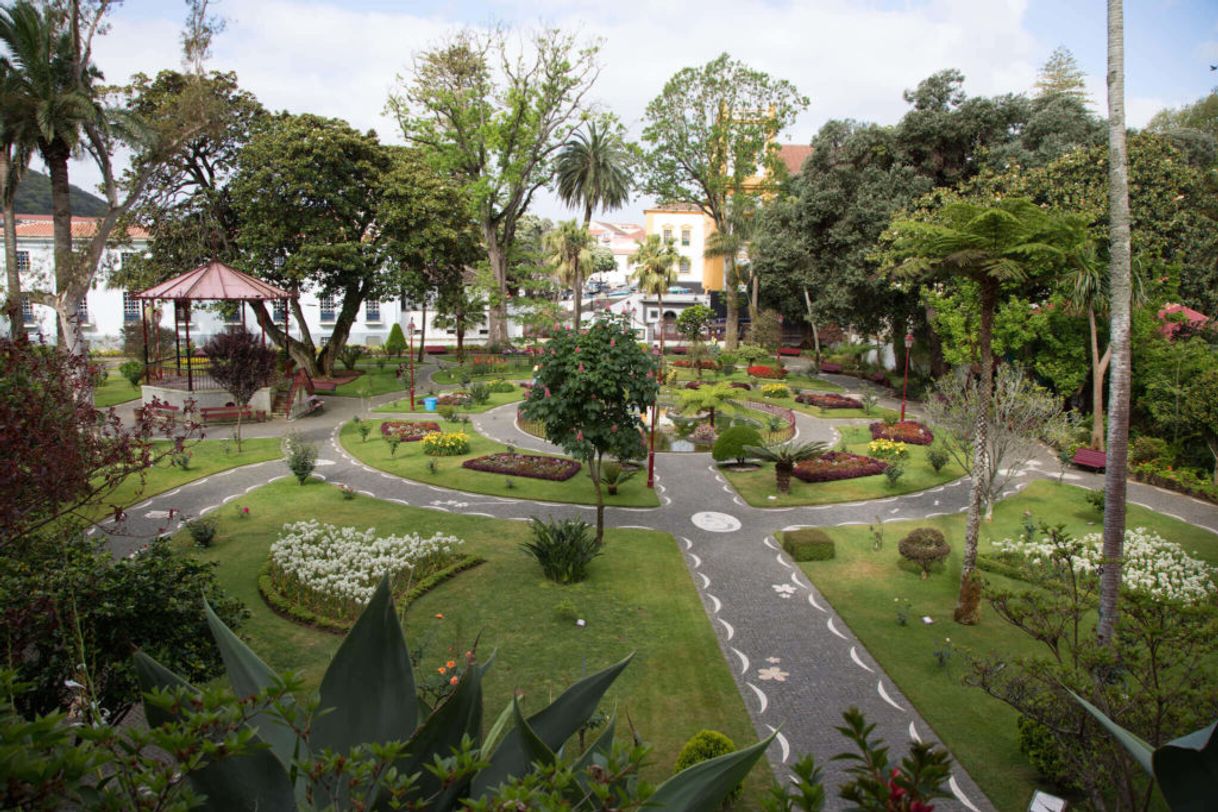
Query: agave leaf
<point x="535" y="749"/>
<point x="1137" y="747"/>
<point x="254" y="781"/>
<point x="1187" y="769"/>
<point x="368" y="691"/>
<point x="248" y="675"/>
<point x="491" y="740"/>
<point x="553" y="725"/>
<point x="600" y="747"/>
<point x="459" y="715"/>
<point x="707" y="784"/>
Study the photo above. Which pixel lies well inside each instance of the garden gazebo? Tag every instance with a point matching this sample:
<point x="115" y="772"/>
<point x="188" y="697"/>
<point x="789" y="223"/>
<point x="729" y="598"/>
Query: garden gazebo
<point x="212" y="281"/>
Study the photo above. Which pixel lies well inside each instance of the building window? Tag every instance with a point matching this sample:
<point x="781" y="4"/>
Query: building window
<point x="684" y="265"/>
<point x="685" y="235"/>
<point x="27" y="310"/>
<point x="23" y="261"/>
<point x="327" y="307"/>
<point x="667" y="233"/>
<point x="280" y="311"/>
<point x="653" y="315"/>
<point x="82" y="311"/>
<point x="131" y="308"/>
<point x="277" y="262"/>
<point x="372" y="311"/>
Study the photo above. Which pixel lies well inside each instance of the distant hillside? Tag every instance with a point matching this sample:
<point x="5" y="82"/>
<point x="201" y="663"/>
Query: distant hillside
<point x="34" y="197"/>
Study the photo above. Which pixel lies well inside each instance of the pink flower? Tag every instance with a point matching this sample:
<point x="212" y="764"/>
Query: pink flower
<point x="245" y="510"/>
<point x="581" y="366"/>
<point x="580" y="435"/>
<point x="547" y="391"/>
<point x="613" y="428"/>
<point x="612" y="342"/>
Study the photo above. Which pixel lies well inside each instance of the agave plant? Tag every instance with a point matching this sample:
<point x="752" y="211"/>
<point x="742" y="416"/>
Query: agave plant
<point x="368" y="702"/>
<point x="615" y="474"/>
<point x="785" y="456"/>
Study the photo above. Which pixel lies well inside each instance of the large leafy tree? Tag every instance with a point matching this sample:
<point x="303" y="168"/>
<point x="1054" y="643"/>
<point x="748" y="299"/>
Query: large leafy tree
<point x="712" y="134"/>
<point x="495" y="118"/>
<point x="292" y="172"/>
<point x="569" y="252"/>
<point x="1006" y="244"/>
<point x="593" y="171"/>
<point x="655" y="268"/>
<point x="589" y="392"/>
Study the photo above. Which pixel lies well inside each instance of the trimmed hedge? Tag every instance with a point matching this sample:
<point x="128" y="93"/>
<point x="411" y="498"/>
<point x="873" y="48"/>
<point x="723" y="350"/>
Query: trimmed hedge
<point x="290" y="611"/>
<point x="808" y="544"/>
<point x="997" y="567"/>
<point x="835" y="465"/>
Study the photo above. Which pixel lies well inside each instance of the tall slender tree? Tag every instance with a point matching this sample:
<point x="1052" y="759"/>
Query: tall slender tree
<point x="655" y="268"/>
<point x="1120" y="286"/>
<point x="569" y="251"/>
<point x="593" y="171"/>
<point x="17" y="145"/>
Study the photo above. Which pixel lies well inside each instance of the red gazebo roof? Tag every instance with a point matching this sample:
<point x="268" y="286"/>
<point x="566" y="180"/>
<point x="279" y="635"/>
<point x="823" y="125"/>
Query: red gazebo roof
<point x="217" y="281"/>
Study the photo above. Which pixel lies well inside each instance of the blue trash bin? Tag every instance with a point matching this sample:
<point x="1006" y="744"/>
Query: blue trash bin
<point x="429" y="404"/>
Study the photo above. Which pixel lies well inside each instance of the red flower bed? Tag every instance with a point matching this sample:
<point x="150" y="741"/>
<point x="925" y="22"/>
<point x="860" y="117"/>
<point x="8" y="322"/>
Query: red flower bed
<point x="762" y="371"/>
<point x="789" y="351"/>
<point x="828" y="400"/>
<point x="832" y="368"/>
<point x="911" y="431"/>
<point x="836" y="465"/>
<point x="685" y="363"/>
<point x="555" y="469"/>
<point x="408" y="431"/>
<point x="693" y="385"/>
<point x="453" y="399"/>
<point x="879" y="377"/>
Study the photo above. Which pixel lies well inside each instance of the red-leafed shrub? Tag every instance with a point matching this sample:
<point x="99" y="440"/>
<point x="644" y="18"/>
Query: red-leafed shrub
<point x="435" y="349"/>
<point x="556" y="469"/>
<point x="836" y="465"/>
<point x="678" y="350"/>
<point x="831" y="368"/>
<point x="828" y="400"/>
<point x="685" y="363"/>
<point x="879" y="377"/>
<point x="693" y="385"/>
<point x="789" y="351"/>
<point x="910" y="431"/>
<point x="763" y="371"/>
<point x="408" y="431"/>
<point x="741" y="385"/>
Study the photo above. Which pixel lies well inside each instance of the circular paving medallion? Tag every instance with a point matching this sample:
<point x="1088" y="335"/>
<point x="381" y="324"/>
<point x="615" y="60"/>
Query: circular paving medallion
<point x="716" y="522"/>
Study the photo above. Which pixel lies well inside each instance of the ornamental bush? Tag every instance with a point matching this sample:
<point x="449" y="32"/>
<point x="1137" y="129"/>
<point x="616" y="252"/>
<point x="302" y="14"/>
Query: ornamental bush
<point x="808" y="544"/>
<point x="764" y="371"/>
<point x="301" y="457"/>
<point x="703" y="434"/>
<point x="925" y="547"/>
<point x="731" y="443"/>
<point x="501" y="386"/>
<point x="446" y="443"/>
<point x="133" y="371"/>
<point x="748" y="353"/>
<point x="703" y="746"/>
<point x="563" y="547"/>
<point x="775" y="390"/>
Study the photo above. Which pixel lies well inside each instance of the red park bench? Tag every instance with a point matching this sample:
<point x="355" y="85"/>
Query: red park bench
<point x="212" y="414"/>
<point x="832" y="368"/>
<point x="435" y="349"/>
<point x="795" y="351"/>
<point x="1090" y="458"/>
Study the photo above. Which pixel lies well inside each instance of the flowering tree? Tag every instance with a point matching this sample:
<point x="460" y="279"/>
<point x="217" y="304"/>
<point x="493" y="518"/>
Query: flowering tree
<point x="589" y="393"/>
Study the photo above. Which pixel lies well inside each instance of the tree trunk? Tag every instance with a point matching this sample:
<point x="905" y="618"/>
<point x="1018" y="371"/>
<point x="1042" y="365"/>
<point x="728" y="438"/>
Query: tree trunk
<point x="301" y="351"/>
<point x="969" y="600"/>
<point x="815" y="331"/>
<point x="595" y="470"/>
<point x="1099" y="366"/>
<point x="422" y="331"/>
<point x="67" y="296"/>
<point x="579" y="280"/>
<point x="497" y="318"/>
<point x="660" y="301"/>
<point x="12" y="304"/>
<point x="782" y="477"/>
<point x="754" y="282"/>
<point x="460" y="320"/>
<point x="1120" y="285"/>
<point x="731" y="333"/>
<point x="240" y="409"/>
<point x="353" y="297"/>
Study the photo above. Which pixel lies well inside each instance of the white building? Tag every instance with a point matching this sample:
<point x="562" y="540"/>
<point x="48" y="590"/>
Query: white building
<point x="622" y="240"/>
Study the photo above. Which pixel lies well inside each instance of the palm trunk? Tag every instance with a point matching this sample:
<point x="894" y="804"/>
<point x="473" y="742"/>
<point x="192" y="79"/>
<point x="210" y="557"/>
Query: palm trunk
<point x="1120" y="285"/>
<point x="969" y="601"/>
<point x="9" y="170"/>
<point x="579" y="276"/>
<point x="1099" y="366"/>
<point x="782" y="477"/>
<point x="731" y="333"/>
<point x="815" y="331"/>
<point x="660" y="300"/>
<point x="754" y="283"/>
<point x="67" y="298"/>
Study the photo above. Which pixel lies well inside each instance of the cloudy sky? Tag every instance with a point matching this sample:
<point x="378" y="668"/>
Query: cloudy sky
<point x="851" y="57"/>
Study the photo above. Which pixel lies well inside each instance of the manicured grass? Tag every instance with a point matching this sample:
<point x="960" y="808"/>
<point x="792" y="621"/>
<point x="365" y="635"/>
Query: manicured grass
<point x="877" y="412"/>
<point x="862" y="585"/>
<point x="376" y="382"/>
<point x="410" y="462"/>
<point x="114" y="390"/>
<point x="207" y="457"/>
<point x="639" y="599"/>
<point x="496" y="399"/>
<point x="453" y="375"/>
<point x="756" y="487"/>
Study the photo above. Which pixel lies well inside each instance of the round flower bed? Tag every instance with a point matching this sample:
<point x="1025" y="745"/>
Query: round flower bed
<point x="763" y="371"/>
<point x="535" y="466"/>
<point x="828" y="401"/>
<point x="836" y="465"/>
<point x="446" y="443"/>
<point x="408" y="431"/>
<point x="909" y="431"/>
<point x="332" y="571"/>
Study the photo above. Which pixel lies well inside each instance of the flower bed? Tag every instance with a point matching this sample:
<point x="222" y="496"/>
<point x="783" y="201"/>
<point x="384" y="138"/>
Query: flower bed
<point x="555" y="469"/>
<point x="685" y="363"/>
<point x="828" y="401"/>
<point x="763" y="371"/>
<point x="453" y="399"/>
<point x="446" y="444"/>
<point x="693" y="385"/>
<point x="910" y="431"/>
<point x="408" y="431"/>
<point x="332" y="571"/>
<point x="836" y="465"/>
<point x="703" y="434"/>
<point x="775" y="390"/>
<point x="786" y="414"/>
<point x="834" y="369"/>
<point x="795" y="351"/>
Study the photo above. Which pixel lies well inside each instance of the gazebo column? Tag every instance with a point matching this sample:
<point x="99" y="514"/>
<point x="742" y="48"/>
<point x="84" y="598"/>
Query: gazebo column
<point x="144" y="324"/>
<point x="177" y="337"/>
<point x="190" y="356"/>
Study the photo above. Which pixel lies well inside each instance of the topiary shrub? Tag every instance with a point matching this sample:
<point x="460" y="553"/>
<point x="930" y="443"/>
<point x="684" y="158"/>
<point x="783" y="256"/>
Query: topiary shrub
<point x="703" y="746"/>
<point x="808" y="544"/>
<point x="396" y="342"/>
<point x="925" y="547"/>
<point x="731" y="443"/>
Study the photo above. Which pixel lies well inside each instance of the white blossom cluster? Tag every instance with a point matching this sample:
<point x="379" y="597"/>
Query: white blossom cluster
<point x="1151" y="564"/>
<point x="342" y="565"/>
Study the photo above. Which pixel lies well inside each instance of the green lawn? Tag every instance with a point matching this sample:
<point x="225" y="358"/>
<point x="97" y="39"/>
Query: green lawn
<point x="794" y="380"/>
<point x="452" y="374"/>
<point x="639" y="599"/>
<point x="114" y="390"/>
<point x="496" y="399"/>
<point x="410" y="462"/>
<point x="207" y="457"/>
<point x="377" y="381"/>
<point x="756" y="487"/>
<point x="862" y="585"/>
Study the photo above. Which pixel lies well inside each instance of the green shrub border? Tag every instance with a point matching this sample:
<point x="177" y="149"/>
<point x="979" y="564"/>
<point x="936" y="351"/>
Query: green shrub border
<point x="808" y="544"/>
<point x="283" y="607"/>
<point x="999" y="568"/>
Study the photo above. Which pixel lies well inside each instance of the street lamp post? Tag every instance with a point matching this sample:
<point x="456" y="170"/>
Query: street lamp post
<point x="905" y="386"/>
<point x="655" y="417"/>
<point x="410" y="328"/>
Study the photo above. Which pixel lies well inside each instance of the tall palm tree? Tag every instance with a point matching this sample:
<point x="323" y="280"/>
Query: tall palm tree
<point x="992" y="246"/>
<point x="593" y="170"/>
<point x="16" y="148"/>
<point x="51" y="89"/>
<point x="568" y="252"/>
<point x="1120" y="287"/>
<point x="654" y="271"/>
<point x="728" y="245"/>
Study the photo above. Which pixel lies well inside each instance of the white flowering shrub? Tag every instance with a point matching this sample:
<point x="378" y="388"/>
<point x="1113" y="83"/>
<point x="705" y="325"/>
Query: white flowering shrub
<point x="1151" y="565"/>
<point x="333" y="571"/>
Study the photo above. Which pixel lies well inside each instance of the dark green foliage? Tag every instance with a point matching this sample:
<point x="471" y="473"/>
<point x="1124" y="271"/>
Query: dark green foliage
<point x="1095" y="498"/>
<point x="395" y="344"/>
<point x="479" y="393"/>
<point x="563" y="547"/>
<point x="921" y="775"/>
<point x="1040" y="748"/>
<point x="808" y="544"/>
<point x="301" y="457"/>
<point x="894" y="472"/>
<point x="703" y="746"/>
<point x="732" y="441"/>
<point x="924" y="546"/>
<point x="766" y="331"/>
<point x="202" y="531"/>
<point x="1148" y="449"/>
<point x="350" y="355"/>
<point x="133" y="371"/>
<point x="938" y="456"/>
<point x="693" y="321"/>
